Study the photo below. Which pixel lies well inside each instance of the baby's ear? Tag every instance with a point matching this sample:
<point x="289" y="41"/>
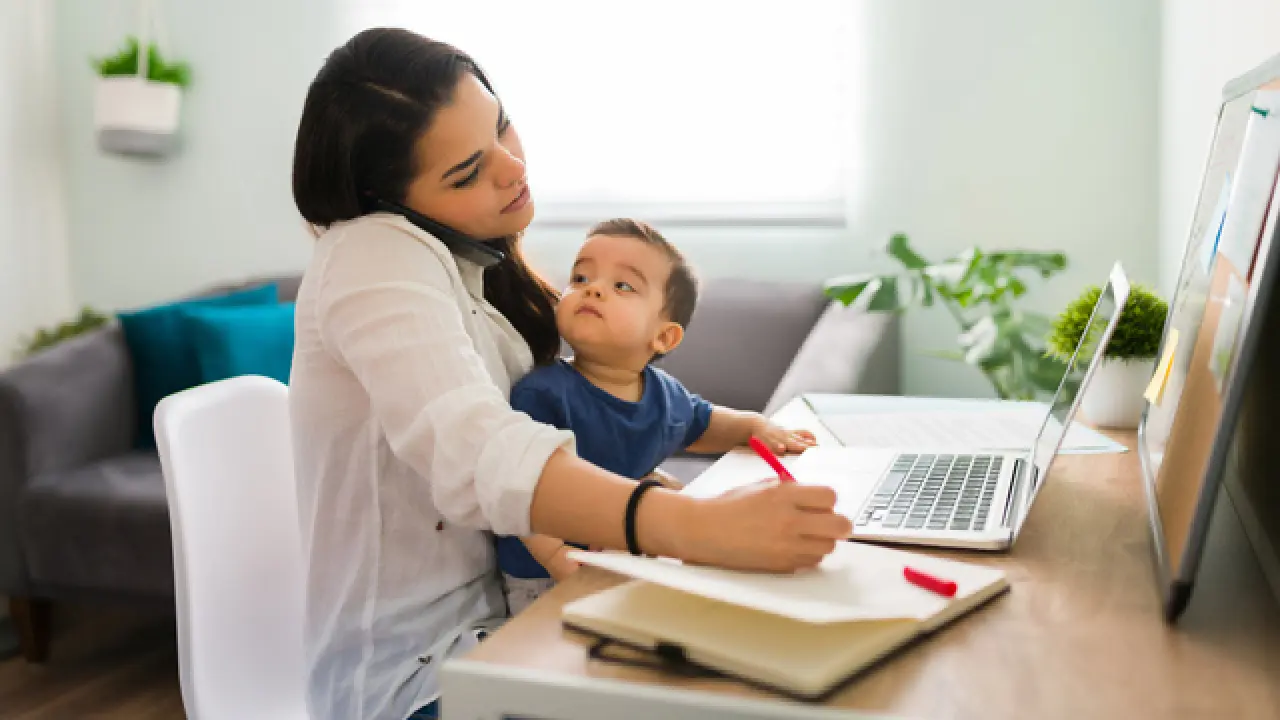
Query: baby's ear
<point x="668" y="338"/>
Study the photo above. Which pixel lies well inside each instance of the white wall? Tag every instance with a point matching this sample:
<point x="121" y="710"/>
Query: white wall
<point x="1206" y="43"/>
<point x="35" y="287"/>
<point x="1007" y="123"/>
<point x="1000" y="123"/>
<point x="994" y="122"/>
<point x="222" y="208"/>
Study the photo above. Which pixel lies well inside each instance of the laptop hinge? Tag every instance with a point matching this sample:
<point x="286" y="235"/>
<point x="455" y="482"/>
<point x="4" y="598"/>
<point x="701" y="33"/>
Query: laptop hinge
<point x="1015" y="485"/>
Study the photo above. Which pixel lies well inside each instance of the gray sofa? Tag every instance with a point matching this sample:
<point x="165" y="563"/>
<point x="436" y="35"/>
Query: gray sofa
<point x="83" y="513"/>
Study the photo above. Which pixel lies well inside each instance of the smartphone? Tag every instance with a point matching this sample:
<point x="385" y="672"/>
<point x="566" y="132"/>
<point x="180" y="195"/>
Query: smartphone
<point x="464" y="246"/>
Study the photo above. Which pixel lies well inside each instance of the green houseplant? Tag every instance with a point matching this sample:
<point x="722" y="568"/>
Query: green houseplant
<point x="88" y="319"/>
<point x="124" y="63"/>
<point x="1114" y="397"/>
<point x="980" y="290"/>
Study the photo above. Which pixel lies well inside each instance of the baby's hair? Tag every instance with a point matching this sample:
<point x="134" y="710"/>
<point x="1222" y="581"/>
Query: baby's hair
<point x="681" y="293"/>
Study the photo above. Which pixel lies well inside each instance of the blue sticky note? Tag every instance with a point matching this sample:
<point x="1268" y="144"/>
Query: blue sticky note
<point x="1213" y="233"/>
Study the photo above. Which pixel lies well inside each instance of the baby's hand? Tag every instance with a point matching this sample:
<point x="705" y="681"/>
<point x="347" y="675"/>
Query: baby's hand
<point x="784" y="441"/>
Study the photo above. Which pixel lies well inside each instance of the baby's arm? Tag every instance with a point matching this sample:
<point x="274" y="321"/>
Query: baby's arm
<point x="551" y="554"/>
<point x="730" y="428"/>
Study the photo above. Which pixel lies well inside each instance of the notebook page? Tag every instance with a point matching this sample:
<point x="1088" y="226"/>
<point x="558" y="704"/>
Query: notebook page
<point x="855" y="582"/>
<point x="852" y="473"/>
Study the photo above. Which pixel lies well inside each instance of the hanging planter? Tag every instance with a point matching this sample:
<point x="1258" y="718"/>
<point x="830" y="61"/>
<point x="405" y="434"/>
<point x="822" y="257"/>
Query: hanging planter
<point x="138" y="98"/>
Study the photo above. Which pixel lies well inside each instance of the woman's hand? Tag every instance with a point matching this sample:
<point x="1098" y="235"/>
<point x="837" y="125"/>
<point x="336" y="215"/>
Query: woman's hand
<point x="766" y="526"/>
<point x="560" y="566"/>
<point x="782" y="440"/>
<point x="770" y="526"/>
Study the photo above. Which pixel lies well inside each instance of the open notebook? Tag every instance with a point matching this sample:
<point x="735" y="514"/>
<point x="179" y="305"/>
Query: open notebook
<point x="802" y="635"/>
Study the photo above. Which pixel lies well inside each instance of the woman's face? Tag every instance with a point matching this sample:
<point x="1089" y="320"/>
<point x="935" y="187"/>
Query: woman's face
<point x="472" y="174"/>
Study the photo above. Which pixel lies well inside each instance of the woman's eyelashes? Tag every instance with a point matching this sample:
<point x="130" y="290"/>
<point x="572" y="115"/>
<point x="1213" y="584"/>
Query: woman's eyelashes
<point x="504" y="124"/>
<point x="469" y="179"/>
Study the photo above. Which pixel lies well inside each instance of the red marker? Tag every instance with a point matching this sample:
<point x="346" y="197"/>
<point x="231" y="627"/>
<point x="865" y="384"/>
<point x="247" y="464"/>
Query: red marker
<point x="946" y="588"/>
<point x="763" y="451"/>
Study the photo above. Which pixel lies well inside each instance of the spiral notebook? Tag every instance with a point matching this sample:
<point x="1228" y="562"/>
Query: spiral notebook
<point x="801" y="635"/>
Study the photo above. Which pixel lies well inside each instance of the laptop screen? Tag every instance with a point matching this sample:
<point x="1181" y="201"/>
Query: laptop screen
<point x="1092" y="344"/>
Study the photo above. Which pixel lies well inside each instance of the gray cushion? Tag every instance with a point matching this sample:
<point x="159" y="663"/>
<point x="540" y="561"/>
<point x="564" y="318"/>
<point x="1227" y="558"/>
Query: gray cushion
<point x="74" y="401"/>
<point x="103" y="526"/>
<point x="848" y="351"/>
<point x="742" y="339"/>
<point x="287" y="285"/>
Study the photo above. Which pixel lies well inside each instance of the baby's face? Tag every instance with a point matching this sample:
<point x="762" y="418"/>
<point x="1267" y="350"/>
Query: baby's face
<point x="612" y="309"/>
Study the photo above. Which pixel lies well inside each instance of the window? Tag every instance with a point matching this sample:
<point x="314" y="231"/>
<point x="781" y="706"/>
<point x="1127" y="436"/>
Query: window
<point x="705" y="112"/>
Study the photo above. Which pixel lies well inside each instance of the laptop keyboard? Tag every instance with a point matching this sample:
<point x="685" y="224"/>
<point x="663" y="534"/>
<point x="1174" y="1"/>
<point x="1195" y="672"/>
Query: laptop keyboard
<point x="934" y="492"/>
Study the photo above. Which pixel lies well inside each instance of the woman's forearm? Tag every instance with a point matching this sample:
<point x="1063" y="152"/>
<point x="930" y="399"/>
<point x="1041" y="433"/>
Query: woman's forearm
<point x="578" y="501"/>
<point x="772" y="526"/>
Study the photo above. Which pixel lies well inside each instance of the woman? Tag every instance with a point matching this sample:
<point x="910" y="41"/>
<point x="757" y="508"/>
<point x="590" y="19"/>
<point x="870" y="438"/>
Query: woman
<point x="408" y="454"/>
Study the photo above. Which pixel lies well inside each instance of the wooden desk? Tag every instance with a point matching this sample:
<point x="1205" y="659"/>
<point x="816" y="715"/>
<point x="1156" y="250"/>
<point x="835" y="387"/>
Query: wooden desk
<point x="1078" y="636"/>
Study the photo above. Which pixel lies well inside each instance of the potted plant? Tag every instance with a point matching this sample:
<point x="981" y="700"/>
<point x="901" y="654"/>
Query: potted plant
<point x="1114" y="397"/>
<point x="979" y="289"/>
<point x="138" y="100"/>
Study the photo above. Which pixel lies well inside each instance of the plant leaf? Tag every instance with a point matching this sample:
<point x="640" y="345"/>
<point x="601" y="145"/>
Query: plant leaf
<point x="1046" y="263"/>
<point x="900" y="249"/>
<point x="848" y="288"/>
<point x="884" y="294"/>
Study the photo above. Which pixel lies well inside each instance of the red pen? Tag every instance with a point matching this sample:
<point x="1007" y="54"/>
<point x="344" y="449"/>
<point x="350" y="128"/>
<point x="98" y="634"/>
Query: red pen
<point x="763" y="451"/>
<point x="946" y="588"/>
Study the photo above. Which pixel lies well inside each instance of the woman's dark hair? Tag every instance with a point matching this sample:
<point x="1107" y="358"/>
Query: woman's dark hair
<point x="365" y="111"/>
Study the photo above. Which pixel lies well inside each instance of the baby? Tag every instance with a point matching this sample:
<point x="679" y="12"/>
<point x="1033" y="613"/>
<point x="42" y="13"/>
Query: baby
<point x="630" y="297"/>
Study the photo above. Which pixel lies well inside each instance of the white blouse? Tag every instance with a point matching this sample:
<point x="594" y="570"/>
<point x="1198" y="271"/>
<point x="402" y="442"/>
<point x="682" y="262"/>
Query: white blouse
<point x="407" y="452"/>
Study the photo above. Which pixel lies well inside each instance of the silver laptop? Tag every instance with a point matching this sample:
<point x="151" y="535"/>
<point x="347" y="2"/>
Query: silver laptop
<point x="980" y="499"/>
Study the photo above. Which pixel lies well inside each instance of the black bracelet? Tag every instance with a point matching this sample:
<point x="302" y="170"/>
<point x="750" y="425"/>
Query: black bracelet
<point x="633" y="546"/>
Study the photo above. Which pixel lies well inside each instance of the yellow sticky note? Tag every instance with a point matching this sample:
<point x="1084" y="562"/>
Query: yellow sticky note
<point x="1155" y="390"/>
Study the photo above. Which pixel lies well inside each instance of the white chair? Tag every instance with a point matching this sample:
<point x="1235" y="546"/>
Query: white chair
<point x="226" y="452"/>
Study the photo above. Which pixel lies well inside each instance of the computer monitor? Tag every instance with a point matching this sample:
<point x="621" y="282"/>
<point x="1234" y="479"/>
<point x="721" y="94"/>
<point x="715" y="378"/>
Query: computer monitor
<point x="1211" y="334"/>
<point x="1246" y="460"/>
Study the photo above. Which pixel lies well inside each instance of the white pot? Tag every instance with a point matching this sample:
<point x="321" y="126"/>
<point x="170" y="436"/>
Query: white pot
<point x="133" y="116"/>
<point x="1114" y="396"/>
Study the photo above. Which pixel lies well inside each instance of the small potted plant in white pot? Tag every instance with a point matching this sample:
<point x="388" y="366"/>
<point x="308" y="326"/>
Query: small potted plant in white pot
<point x="1114" y="396"/>
<point x="138" y="101"/>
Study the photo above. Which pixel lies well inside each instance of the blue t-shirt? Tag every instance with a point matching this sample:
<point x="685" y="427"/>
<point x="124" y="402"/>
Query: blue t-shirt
<point x="627" y="438"/>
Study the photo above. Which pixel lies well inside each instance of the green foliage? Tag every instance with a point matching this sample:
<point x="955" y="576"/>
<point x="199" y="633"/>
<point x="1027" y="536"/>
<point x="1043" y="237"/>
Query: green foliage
<point x="979" y="290"/>
<point x="125" y="63"/>
<point x="1137" y="336"/>
<point x="89" y="319"/>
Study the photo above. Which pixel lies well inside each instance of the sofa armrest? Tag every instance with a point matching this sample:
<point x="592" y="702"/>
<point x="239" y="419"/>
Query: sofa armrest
<point x="63" y="408"/>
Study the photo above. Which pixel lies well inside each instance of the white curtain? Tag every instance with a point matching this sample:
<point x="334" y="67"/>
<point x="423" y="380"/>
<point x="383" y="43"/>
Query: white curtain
<point x="34" y="272"/>
<point x="709" y="110"/>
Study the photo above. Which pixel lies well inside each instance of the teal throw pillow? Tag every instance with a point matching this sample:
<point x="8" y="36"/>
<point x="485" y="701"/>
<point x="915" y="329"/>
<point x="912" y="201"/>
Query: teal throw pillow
<point x="163" y="356"/>
<point x="242" y="340"/>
